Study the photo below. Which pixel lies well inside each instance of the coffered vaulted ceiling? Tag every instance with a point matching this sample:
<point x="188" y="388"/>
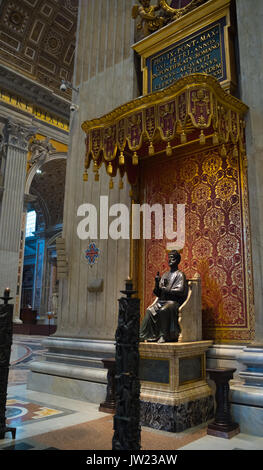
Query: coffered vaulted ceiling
<point x="37" y="39"/>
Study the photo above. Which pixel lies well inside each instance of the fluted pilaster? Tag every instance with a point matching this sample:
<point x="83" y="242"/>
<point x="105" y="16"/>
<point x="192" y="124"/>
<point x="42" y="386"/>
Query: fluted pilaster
<point x="14" y="154"/>
<point x="105" y="75"/>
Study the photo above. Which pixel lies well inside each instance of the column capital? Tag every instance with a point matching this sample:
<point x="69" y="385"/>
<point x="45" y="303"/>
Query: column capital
<point x="18" y="135"/>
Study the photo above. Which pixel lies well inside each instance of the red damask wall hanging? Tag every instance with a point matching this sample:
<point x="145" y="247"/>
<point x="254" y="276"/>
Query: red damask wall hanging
<point x="214" y="189"/>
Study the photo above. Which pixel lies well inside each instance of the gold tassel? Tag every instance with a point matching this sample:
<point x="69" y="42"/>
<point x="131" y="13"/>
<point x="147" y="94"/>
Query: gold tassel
<point x="183" y="138"/>
<point x="121" y="184"/>
<point x="111" y="184"/>
<point x="202" y="138"/>
<point x="223" y="151"/>
<point x="85" y="176"/>
<point x="169" y="150"/>
<point x="135" y="160"/>
<point x="96" y="171"/>
<point x="121" y="159"/>
<point x="215" y="139"/>
<point x="235" y="152"/>
<point x="131" y="193"/>
<point x="109" y="169"/>
<point x="151" y="149"/>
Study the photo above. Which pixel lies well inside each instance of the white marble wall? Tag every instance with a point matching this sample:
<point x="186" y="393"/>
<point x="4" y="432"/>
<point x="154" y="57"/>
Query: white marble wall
<point x="105" y="74"/>
<point x="250" y="20"/>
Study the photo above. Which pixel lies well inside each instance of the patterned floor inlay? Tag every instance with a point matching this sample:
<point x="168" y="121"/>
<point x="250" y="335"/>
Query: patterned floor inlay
<point x="19" y="446"/>
<point x="26" y="444"/>
<point x="25" y="349"/>
<point x="19" y="411"/>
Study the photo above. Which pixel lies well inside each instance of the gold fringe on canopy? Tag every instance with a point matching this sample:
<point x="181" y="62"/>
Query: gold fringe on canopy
<point x="194" y="108"/>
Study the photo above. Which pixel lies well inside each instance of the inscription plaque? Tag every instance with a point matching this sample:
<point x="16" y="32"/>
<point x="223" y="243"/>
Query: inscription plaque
<point x="154" y="370"/>
<point x="202" y="52"/>
<point x="190" y="369"/>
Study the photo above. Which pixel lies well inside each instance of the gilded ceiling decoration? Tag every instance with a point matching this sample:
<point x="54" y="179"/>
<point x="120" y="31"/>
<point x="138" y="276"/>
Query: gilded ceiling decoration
<point x="37" y="39"/>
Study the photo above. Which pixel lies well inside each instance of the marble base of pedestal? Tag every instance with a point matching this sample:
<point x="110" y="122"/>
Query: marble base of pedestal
<point x="174" y="392"/>
<point x="246" y="394"/>
<point x="72" y="368"/>
<point x="226" y="432"/>
<point x="176" y="418"/>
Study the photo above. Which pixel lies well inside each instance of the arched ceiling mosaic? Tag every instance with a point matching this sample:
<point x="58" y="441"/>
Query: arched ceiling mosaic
<point x="37" y="39"/>
<point x="49" y="189"/>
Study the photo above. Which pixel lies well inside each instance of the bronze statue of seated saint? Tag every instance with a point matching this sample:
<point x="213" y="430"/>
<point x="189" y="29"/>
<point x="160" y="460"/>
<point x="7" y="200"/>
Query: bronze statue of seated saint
<point x="161" y="319"/>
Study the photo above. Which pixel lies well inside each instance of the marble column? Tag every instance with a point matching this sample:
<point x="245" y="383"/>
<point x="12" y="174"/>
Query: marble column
<point x="28" y="198"/>
<point x="87" y="319"/>
<point x="48" y="281"/>
<point x="247" y="397"/>
<point x="14" y="155"/>
<point x="39" y="272"/>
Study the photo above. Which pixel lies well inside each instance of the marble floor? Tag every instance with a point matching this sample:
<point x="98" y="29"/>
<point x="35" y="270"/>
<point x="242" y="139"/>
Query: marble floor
<point x="45" y="421"/>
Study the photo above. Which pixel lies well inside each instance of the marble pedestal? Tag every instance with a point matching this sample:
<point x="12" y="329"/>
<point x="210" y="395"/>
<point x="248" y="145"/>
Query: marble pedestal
<point x="247" y="393"/>
<point x="174" y="391"/>
<point x="72" y="368"/>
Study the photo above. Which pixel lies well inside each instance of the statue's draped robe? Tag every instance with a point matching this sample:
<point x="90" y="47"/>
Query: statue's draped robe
<point x="161" y="318"/>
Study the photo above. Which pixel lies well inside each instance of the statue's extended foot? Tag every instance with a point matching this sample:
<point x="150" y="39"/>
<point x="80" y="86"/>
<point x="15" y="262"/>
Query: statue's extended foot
<point x="161" y="340"/>
<point x="151" y="340"/>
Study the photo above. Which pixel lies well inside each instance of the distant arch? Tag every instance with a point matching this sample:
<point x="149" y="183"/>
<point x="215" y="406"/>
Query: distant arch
<point x="37" y="166"/>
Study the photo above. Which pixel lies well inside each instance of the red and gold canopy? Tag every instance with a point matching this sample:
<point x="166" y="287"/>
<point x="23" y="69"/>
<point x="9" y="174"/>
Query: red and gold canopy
<point x="193" y="109"/>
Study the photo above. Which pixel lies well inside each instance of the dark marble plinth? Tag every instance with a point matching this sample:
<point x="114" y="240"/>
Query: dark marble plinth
<point x="226" y="432"/>
<point x="109" y="405"/>
<point x="223" y="426"/>
<point x="177" y="418"/>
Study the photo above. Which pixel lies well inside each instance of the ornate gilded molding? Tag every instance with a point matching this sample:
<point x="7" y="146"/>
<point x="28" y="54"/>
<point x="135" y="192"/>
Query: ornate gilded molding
<point x="194" y="108"/>
<point x="149" y="21"/>
<point x="173" y="11"/>
<point x="199" y="42"/>
<point x="154" y="17"/>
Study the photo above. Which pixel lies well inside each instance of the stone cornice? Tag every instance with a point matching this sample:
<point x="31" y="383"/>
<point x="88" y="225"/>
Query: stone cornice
<point x="33" y="92"/>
